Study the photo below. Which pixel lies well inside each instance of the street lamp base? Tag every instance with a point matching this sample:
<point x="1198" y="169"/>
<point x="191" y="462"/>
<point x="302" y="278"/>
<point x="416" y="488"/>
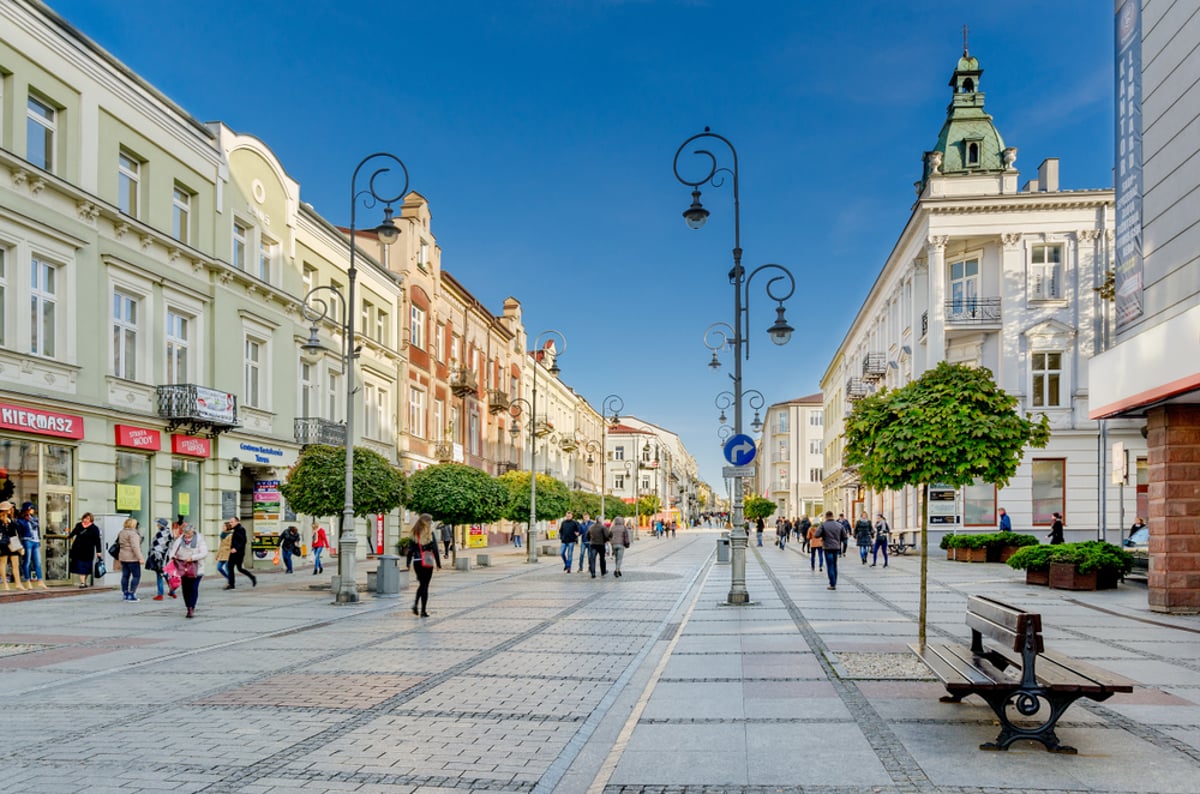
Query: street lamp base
<point x="346" y="598"/>
<point x="738" y="600"/>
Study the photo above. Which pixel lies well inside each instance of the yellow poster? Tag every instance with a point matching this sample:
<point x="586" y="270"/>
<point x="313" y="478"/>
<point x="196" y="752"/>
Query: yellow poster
<point x="185" y="503"/>
<point x="476" y="538"/>
<point x="129" y="497"/>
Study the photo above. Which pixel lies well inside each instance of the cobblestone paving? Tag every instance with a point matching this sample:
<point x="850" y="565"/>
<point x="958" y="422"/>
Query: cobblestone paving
<point x="526" y="679"/>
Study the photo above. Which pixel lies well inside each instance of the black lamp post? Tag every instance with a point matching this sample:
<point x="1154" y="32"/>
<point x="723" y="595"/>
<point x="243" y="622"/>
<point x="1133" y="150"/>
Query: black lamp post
<point x="610" y="413"/>
<point x="316" y="308"/>
<point x="735" y="335"/>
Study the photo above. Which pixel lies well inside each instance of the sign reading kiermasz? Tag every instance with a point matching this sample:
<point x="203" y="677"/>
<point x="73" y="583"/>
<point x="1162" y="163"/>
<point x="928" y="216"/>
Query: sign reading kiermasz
<point x="44" y="423"/>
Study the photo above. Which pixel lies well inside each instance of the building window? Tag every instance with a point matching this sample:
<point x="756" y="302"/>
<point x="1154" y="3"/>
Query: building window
<point x="473" y="437"/>
<point x="439" y="341"/>
<point x="43" y="302"/>
<point x="619" y="452"/>
<point x="335" y="389"/>
<point x="178" y="335"/>
<point x="181" y="210"/>
<point x="266" y="256"/>
<point x="816" y="475"/>
<point x="439" y="418"/>
<point x="814" y="446"/>
<point x="241" y="243"/>
<point x="1045" y="273"/>
<point x="1049" y="488"/>
<point x="782" y="449"/>
<point x="416" y="329"/>
<point x="335" y="305"/>
<point x="252" y="362"/>
<point x="41" y="124"/>
<point x="309" y="395"/>
<point x="815" y="419"/>
<point x="455" y="346"/>
<point x="618" y="482"/>
<point x="129" y="180"/>
<point x="3" y="295"/>
<point x="964" y="287"/>
<point x="416" y="412"/>
<point x="1047" y="377"/>
<point x="364" y="319"/>
<point x="125" y="333"/>
<point x="782" y="426"/>
<point x="370" y="411"/>
<point x="979" y="505"/>
<point x="423" y="255"/>
<point x="309" y="278"/>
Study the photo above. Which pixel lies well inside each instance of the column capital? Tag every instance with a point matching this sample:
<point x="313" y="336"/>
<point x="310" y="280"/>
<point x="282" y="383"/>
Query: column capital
<point x="1010" y="239"/>
<point x="938" y="241"/>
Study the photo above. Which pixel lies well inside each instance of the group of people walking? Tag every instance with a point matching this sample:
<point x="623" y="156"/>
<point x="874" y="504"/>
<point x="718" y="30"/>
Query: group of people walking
<point x="597" y="539"/>
<point x="829" y="540"/>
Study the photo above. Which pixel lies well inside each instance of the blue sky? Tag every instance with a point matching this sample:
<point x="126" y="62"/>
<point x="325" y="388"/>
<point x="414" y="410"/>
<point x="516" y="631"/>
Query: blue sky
<point x="543" y="132"/>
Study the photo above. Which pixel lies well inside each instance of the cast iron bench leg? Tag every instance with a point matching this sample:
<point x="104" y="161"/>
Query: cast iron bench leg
<point x="1027" y="703"/>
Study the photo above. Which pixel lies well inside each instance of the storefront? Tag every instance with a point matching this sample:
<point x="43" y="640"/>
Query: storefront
<point x="37" y="464"/>
<point x="135" y="449"/>
<point x="188" y="454"/>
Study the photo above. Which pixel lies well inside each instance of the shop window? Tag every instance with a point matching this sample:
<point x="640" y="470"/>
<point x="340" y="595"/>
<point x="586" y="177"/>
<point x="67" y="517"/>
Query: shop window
<point x="43" y="306"/>
<point x="133" y="487"/>
<point x="185" y="490"/>
<point x="979" y="505"/>
<point x="1049" y="489"/>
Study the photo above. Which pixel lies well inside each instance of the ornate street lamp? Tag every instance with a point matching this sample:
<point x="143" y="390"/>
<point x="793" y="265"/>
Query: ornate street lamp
<point x="539" y="346"/>
<point x="610" y="413"/>
<point x="736" y="334"/>
<point x="316" y="309"/>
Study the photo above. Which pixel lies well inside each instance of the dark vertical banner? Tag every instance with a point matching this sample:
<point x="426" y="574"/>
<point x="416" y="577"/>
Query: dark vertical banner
<point x="1129" y="161"/>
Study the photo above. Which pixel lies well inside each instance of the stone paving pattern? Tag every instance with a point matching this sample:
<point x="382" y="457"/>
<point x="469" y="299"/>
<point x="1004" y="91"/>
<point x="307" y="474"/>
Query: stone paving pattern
<point x="526" y="679"/>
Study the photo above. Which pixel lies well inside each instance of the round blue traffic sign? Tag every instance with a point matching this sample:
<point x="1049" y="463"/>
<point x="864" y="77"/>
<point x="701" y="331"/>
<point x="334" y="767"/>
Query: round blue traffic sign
<point x="740" y="449"/>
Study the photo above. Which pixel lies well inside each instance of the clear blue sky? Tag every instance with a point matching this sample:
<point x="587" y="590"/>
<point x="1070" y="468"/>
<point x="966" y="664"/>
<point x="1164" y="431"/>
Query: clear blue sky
<point x="542" y="132"/>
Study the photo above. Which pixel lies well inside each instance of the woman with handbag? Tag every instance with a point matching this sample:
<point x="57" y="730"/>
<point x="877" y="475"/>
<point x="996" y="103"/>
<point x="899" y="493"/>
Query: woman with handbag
<point x="188" y="552"/>
<point x="86" y="548"/>
<point x="423" y="554"/>
<point x="11" y="547"/>
<point x="129" y="554"/>
<point x="620" y="542"/>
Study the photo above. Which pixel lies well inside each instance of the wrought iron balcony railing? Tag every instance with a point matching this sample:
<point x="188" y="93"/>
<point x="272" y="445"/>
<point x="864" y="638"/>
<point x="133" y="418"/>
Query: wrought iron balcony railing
<point x="315" y="430"/>
<point x="199" y="409"/>
<point x="444" y="452"/>
<point x="856" y="389"/>
<point x="498" y="401"/>
<point x="975" y="311"/>
<point x="543" y="428"/>
<point x="874" y="366"/>
<point x="462" y="382"/>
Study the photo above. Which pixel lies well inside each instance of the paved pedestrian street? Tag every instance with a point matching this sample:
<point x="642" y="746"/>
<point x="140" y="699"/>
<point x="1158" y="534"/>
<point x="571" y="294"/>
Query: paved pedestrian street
<point x="528" y="679"/>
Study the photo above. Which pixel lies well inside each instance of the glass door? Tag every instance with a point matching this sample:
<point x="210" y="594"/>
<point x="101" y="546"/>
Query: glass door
<point x="57" y="521"/>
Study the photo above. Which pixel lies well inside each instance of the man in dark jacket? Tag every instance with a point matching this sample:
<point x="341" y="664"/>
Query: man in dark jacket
<point x="832" y="535"/>
<point x="568" y="534"/>
<point x="597" y="536"/>
<point x="238" y="547"/>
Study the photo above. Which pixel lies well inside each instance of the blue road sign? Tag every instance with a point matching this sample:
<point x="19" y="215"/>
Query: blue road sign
<point x="739" y="449"/>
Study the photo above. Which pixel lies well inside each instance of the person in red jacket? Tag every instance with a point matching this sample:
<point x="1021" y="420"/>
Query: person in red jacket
<point x="320" y="542"/>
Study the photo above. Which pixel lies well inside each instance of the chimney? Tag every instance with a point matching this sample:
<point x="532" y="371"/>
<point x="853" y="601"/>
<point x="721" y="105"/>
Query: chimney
<point x="1048" y="175"/>
<point x="1031" y="186"/>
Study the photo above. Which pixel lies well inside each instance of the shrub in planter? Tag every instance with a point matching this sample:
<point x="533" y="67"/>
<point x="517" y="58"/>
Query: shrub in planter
<point x="1105" y="560"/>
<point x="1035" y="561"/>
<point x="1002" y="545"/>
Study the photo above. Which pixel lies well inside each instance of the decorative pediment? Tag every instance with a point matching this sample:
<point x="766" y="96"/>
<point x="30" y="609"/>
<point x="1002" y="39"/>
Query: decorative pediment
<point x="1050" y="335"/>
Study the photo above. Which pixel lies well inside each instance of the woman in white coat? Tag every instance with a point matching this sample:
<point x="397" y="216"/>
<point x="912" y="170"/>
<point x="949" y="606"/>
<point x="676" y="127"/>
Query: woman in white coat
<point x="188" y="552"/>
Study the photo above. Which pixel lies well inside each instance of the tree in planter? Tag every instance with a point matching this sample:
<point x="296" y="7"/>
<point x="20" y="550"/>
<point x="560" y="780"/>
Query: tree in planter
<point x="756" y="507"/>
<point x="951" y="426"/>
<point x="458" y="495"/>
<point x="553" y="498"/>
<point x="316" y="484"/>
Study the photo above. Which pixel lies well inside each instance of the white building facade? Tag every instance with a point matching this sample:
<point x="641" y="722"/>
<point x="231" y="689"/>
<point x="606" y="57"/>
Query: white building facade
<point x="791" y="465"/>
<point x="990" y="275"/>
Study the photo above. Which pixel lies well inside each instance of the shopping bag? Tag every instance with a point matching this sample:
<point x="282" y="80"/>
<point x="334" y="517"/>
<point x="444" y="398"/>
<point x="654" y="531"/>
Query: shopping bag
<point x="275" y="559"/>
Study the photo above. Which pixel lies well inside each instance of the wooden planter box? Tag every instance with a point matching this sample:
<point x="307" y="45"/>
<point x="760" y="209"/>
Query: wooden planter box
<point x="950" y="553"/>
<point x="973" y="555"/>
<point x="1106" y="580"/>
<point x="1037" y="576"/>
<point x="1063" y="576"/>
<point x="1006" y="552"/>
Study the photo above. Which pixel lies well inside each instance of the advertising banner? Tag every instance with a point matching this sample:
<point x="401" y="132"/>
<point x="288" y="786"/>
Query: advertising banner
<point x="267" y="500"/>
<point x="476" y="538"/>
<point x="215" y="406"/>
<point x="1129" y="162"/>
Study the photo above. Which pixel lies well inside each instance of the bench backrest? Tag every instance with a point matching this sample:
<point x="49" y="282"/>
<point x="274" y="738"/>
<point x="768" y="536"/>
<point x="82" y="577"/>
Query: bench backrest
<point x="1006" y="624"/>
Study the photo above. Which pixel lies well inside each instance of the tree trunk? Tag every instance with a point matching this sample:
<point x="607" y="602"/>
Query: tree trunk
<point x="924" y="566"/>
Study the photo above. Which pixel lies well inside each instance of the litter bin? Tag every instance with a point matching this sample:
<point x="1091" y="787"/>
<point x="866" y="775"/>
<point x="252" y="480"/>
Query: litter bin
<point x="723" y="547"/>
<point x="387" y="577"/>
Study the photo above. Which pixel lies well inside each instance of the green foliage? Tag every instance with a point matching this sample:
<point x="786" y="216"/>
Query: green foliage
<point x="615" y="506"/>
<point x="1092" y="555"/>
<point x="316" y="485"/>
<point x="583" y="502"/>
<point x="456" y="494"/>
<point x="553" y="498"/>
<point x="947" y="542"/>
<point x="991" y="540"/>
<point x="952" y="425"/>
<point x="648" y="504"/>
<point x="1002" y="539"/>
<point x="756" y="507"/>
<point x="403" y="544"/>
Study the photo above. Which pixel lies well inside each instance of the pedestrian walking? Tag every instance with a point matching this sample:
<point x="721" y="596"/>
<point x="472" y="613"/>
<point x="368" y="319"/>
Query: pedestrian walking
<point x="31" y="541"/>
<point x="85" y="548"/>
<point x="225" y="543"/>
<point x="833" y="536"/>
<point x="1005" y="521"/>
<point x="516" y="537"/>
<point x="238" y="546"/>
<point x="11" y="548"/>
<point x="160" y="550"/>
<point x="422" y="557"/>
<point x="620" y="541"/>
<point x="758" y="529"/>
<point x="320" y="542"/>
<point x="130" y="558"/>
<point x="816" y="552"/>
<point x="780" y="535"/>
<point x="568" y="536"/>
<point x="1056" y="530"/>
<point x="802" y="528"/>
<point x="863" y="535"/>
<point x="584" y="526"/>
<point x="447" y="533"/>
<point x="883" y="536"/>
<point x="289" y="545"/>
<point x="846" y="526"/>
<point x="188" y="552"/>
<point x="597" y="536"/>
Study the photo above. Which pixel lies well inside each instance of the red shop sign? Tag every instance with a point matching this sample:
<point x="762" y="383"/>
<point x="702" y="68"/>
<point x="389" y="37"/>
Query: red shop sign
<point x="44" y="423"/>
<point x="138" y="437"/>
<point x="191" y="445"/>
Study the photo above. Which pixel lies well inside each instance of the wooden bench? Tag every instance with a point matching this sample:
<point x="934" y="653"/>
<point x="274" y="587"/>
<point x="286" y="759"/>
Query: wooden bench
<point x="1020" y="674"/>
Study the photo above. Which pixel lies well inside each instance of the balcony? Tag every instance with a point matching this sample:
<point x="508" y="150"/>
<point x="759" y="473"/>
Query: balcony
<point x="874" y="366"/>
<point x="444" y="452"/>
<point x="198" y="409"/>
<point x="856" y="389"/>
<point x="543" y="428"/>
<point x="974" y="311"/>
<point x="498" y="401"/>
<point x="569" y="445"/>
<point x="507" y="467"/>
<point x="314" y="430"/>
<point x="924" y="324"/>
<point x="462" y="382"/>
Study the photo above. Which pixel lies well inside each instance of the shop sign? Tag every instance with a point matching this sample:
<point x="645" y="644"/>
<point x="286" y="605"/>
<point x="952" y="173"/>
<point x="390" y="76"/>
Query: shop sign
<point x="215" y="406"/>
<point x="267" y="500"/>
<point x="44" y="423"/>
<point x="476" y="538"/>
<point x="138" y="437"/>
<point x="254" y="453"/>
<point x="379" y="533"/>
<point x="942" y="506"/>
<point x="191" y="445"/>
